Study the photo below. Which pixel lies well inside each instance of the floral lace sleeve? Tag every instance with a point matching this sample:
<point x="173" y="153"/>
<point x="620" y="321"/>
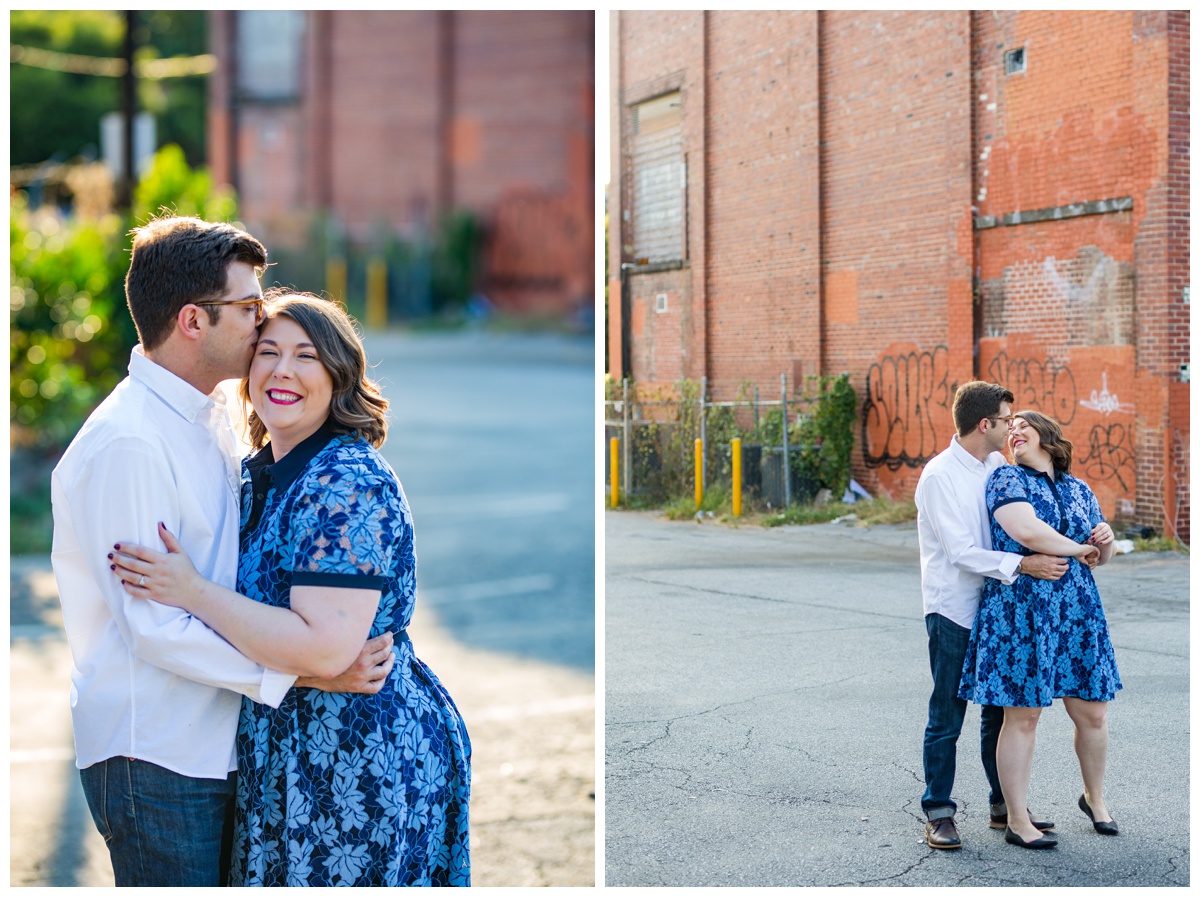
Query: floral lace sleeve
<point x="348" y="527"/>
<point x="1094" y="514"/>
<point x="1006" y="485"/>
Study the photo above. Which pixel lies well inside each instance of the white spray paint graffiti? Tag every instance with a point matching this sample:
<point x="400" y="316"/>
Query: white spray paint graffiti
<point x="1104" y="401"/>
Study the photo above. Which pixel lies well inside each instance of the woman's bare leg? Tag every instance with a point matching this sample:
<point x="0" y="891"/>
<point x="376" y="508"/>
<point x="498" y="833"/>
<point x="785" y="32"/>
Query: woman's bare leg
<point x="1091" y="747"/>
<point x="1014" y="763"/>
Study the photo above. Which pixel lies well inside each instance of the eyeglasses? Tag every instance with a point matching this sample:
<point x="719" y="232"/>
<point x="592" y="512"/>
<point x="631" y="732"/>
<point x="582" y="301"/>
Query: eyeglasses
<point x="1007" y="420"/>
<point x="257" y="303"/>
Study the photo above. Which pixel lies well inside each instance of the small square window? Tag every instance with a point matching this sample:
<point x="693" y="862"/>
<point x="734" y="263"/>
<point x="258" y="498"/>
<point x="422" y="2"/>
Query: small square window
<point x="660" y="302"/>
<point x="1014" y="62"/>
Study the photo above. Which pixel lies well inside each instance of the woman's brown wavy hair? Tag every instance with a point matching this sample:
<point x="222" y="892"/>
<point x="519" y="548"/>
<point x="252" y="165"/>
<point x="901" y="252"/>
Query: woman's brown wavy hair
<point x="357" y="408"/>
<point x="1050" y="436"/>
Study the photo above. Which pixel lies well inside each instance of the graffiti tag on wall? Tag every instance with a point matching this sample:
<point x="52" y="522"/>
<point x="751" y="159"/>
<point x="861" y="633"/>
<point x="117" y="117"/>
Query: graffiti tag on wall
<point x="1046" y="385"/>
<point x="904" y="394"/>
<point x="1104" y="401"/>
<point x="1109" y="455"/>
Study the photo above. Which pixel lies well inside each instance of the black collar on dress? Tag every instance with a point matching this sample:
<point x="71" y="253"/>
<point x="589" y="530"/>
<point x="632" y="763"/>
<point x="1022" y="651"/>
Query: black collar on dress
<point x="1038" y="473"/>
<point x="266" y="473"/>
<point x="284" y="472"/>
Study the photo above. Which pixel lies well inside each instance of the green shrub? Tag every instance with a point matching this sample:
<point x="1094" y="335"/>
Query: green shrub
<point x="171" y="187"/>
<point x="69" y="331"/>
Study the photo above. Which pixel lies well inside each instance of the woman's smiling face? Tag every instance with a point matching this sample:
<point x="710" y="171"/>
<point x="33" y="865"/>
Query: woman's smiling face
<point x="289" y="386"/>
<point x="1023" y="440"/>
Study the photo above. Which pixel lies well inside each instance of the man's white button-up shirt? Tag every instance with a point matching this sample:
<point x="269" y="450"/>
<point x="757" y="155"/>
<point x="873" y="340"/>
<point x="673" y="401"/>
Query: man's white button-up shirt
<point x="150" y="681"/>
<point x="955" y="535"/>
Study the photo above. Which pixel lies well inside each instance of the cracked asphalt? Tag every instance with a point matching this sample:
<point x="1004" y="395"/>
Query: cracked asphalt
<point x="765" y="700"/>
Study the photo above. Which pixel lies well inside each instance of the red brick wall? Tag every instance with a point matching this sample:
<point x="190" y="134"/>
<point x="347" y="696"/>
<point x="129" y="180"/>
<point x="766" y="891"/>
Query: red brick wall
<point x="847" y="157"/>
<point x="896" y="194"/>
<point x="406" y="114"/>
<point x="763" y="202"/>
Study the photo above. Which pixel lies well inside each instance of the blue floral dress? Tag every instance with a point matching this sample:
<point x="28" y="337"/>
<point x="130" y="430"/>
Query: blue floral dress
<point x="345" y="789"/>
<point x="1037" y="640"/>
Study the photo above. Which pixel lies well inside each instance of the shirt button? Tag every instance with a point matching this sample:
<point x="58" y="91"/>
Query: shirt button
<point x="259" y="496"/>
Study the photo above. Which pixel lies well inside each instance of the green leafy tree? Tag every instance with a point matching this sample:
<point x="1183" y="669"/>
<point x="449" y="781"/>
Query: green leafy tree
<point x="171" y="186"/>
<point x="56" y="114"/>
<point x="825" y="435"/>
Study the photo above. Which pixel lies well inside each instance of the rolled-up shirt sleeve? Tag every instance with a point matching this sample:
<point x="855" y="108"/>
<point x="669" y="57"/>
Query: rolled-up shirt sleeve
<point x="120" y="496"/>
<point x="947" y="516"/>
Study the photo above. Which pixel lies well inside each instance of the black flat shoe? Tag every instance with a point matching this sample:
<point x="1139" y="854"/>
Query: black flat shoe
<point x="1041" y="843"/>
<point x="1104" y="828"/>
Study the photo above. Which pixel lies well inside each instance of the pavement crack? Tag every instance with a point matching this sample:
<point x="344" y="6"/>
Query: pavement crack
<point x="785" y="601"/>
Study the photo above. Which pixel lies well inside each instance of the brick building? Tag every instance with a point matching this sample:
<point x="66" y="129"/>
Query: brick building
<point x="388" y="119"/>
<point x="918" y="199"/>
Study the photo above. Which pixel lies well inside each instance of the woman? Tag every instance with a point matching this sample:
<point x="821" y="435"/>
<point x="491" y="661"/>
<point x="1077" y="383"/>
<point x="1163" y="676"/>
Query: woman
<point x="1037" y="640"/>
<point x="333" y="789"/>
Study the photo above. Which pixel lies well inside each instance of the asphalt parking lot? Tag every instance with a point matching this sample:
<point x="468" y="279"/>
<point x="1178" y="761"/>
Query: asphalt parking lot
<point x="765" y="703"/>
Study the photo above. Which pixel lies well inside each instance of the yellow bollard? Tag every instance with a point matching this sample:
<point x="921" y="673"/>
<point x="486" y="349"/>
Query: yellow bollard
<point x="737" y="478"/>
<point x="613" y="467"/>
<point x="377" y="293"/>
<point x="335" y="279"/>
<point x="699" y="472"/>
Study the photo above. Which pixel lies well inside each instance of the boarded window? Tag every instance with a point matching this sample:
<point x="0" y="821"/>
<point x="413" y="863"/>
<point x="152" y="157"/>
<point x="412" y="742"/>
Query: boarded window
<point x="269" y="54"/>
<point x="659" y="181"/>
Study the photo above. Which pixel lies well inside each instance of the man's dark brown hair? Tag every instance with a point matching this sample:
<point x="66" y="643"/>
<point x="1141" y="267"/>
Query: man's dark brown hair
<point x="180" y="260"/>
<point x="976" y="400"/>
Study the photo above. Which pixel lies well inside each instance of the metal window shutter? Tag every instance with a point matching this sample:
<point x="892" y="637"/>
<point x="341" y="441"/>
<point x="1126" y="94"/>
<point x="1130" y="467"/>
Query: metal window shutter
<point x="659" y="181"/>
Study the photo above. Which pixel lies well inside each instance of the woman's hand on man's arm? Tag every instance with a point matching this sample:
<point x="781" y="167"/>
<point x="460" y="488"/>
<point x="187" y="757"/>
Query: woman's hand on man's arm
<point x="1021" y="522"/>
<point x="1105" y="540"/>
<point x="365" y="676"/>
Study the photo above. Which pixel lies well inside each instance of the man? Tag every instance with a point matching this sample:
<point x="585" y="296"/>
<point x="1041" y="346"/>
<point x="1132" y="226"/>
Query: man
<point x="156" y="694"/>
<point x="956" y="554"/>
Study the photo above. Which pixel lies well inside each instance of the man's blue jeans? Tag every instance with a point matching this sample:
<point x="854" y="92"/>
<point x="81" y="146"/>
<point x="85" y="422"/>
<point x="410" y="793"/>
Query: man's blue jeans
<point x="947" y="649"/>
<point x="161" y="828"/>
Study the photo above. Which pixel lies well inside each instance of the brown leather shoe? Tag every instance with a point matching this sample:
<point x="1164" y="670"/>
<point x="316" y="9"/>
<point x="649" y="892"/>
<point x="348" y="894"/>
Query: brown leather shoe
<point x="942" y="833"/>
<point x="998" y="819"/>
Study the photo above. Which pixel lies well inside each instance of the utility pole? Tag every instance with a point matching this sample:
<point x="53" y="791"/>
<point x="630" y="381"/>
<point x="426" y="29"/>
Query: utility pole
<point x="129" y="84"/>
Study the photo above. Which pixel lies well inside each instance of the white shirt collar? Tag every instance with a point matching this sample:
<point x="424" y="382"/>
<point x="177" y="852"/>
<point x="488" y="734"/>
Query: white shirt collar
<point x="962" y="456"/>
<point x="179" y="395"/>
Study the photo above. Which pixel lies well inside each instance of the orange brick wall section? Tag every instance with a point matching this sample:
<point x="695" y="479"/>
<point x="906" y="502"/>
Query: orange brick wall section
<point x="1088" y="299"/>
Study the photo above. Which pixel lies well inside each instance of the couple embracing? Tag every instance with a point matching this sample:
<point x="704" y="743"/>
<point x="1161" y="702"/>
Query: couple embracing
<point x="1012" y="611"/>
<point x="247" y="706"/>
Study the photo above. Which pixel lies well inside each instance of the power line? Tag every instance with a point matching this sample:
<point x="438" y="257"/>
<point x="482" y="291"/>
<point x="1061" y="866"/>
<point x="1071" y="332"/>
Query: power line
<point x="150" y="69"/>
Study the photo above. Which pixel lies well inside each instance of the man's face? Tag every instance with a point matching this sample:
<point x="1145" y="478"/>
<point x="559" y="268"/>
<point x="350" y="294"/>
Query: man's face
<point x="998" y="433"/>
<point x="229" y="344"/>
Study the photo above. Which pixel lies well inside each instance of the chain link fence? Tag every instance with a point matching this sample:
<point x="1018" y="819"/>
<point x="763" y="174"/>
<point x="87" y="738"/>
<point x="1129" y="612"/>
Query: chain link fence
<point x="656" y="428"/>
